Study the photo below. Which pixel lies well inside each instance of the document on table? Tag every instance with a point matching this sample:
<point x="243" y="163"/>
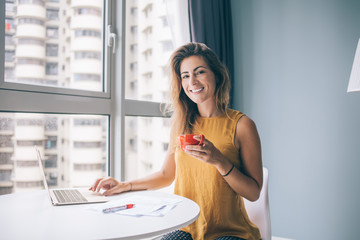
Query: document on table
<point x="144" y="205"/>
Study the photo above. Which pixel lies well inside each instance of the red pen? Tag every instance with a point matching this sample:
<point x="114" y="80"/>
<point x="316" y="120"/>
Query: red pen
<point x="119" y="208"/>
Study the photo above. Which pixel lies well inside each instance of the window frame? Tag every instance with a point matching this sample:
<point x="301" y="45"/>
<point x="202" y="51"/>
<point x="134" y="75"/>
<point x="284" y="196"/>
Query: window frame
<point x="126" y="107"/>
<point x="105" y="93"/>
<point x="15" y="97"/>
<point x="18" y="97"/>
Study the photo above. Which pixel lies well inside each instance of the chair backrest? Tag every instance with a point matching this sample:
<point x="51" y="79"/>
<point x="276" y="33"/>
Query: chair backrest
<point x="258" y="211"/>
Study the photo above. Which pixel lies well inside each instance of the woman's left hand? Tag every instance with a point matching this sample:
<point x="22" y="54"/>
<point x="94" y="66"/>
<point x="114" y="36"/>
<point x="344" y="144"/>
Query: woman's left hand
<point x="205" y="152"/>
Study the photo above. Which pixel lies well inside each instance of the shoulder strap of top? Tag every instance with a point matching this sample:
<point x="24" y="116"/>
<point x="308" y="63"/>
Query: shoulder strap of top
<point x="234" y="116"/>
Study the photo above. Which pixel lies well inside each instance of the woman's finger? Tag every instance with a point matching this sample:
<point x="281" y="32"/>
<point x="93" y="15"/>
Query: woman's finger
<point x="94" y="186"/>
<point x="102" y="184"/>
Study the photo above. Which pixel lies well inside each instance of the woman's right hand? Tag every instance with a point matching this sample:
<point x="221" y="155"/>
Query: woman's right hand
<point x="110" y="185"/>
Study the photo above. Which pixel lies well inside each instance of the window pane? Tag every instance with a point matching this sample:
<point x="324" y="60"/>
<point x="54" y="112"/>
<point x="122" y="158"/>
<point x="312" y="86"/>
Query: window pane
<point x="74" y="146"/>
<point x="44" y="38"/>
<point x="146" y="144"/>
<point x="148" y="48"/>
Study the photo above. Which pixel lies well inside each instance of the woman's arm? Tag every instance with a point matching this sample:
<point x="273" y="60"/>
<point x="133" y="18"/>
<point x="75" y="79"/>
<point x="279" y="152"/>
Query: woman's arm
<point x="248" y="181"/>
<point x="164" y="177"/>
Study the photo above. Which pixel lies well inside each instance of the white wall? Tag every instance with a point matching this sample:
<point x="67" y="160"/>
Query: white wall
<point x="292" y="65"/>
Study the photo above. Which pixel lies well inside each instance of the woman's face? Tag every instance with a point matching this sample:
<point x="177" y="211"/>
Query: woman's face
<point x="197" y="80"/>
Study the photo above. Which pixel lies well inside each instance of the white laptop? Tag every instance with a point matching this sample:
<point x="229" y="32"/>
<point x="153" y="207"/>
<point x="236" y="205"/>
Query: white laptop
<point x="66" y="196"/>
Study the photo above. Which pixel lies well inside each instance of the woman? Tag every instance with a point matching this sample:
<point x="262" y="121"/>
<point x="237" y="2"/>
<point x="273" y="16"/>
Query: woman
<point x="218" y="173"/>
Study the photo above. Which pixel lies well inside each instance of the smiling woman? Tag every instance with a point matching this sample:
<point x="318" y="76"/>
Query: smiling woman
<point x="224" y="168"/>
<point x="196" y="60"/>
<point x="230" y="150"/>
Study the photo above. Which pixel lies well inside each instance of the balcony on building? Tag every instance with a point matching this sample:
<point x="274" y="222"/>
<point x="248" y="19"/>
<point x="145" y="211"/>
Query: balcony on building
<point x="86" y="43"/>
<point x="86" y="22"/>
<point x="30" y="48"/>
<point x="90" y="66"/>
<point x="32" y="10"/>
<point x="29" y="68"/>
<point x="86" y="3"/>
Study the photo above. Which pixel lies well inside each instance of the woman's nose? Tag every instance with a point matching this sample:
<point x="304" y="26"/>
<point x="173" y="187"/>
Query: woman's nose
<point x="193" y="79"/>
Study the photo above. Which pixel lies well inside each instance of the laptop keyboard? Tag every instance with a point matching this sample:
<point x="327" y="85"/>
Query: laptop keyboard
<point x="69" y="196"/>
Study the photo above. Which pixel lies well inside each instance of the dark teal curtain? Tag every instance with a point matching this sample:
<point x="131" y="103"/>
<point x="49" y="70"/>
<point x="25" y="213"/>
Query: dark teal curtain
<point x="210" y="23"/>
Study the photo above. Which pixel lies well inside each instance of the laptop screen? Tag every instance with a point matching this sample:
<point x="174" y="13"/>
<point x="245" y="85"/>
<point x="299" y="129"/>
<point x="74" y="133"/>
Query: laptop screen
<point x="41" y="167"/>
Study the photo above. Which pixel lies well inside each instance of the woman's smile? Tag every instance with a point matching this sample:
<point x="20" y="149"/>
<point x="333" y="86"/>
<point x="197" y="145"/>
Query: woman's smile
<point x="197" y="80"/>
<point x="196" y="90"/>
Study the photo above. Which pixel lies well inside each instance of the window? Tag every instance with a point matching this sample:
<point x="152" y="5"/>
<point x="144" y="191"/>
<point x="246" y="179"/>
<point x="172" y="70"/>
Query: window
<point x="27" y="61"/>
<point x="134" y="12"/>
<point x="87" y="11"/>
<point x="87" y="122"/>
<point x="52" y="179"/>
<point x="87" y="144"/>
<point x="86" y="77"/>
<point x="61" y="96"/>
<point x="52" y="50"/>
<point x="35" y="2"/>
<point x="51" y="142"/>
<point x="5" y="175"/>
<point x="25" y="21"/>
<point x="87" y="55"/>
<point x="51" y="161"/>
<point x="30" y="41"/>
<point x="87" y="33"/>
<point x="9" y="40"/>
<point x="134" y="31"/>
<point x="9" y="56"/>
<point x="145" y="153"/>
<point x="10" y="7"/>
<point x="52" y="32"/>
<point x="134" y="49"/>
<point x="146" y="135"/>
<point x="61" y="75"/>
<point x="52" y="14"/>
<point x="51" y="68"/>
<point x="78" y="141"/>
<point x="39" y="31"/>
<point x="133" y="67"/>
<point x="164" y="21"/>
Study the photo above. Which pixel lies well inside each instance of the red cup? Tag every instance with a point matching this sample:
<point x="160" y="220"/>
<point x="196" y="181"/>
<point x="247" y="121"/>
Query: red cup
<point x="188" y="139"/>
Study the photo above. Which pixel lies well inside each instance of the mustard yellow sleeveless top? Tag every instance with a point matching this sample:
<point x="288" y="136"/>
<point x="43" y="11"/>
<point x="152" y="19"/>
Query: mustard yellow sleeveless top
<point x="222" y="211"/>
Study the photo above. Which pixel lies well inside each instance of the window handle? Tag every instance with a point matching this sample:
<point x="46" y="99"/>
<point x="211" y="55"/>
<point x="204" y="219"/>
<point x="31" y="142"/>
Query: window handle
<point x="111" y="39"/>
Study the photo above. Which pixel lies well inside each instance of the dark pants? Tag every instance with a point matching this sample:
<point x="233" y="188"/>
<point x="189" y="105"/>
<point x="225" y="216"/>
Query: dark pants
<point x="181" y="235"/>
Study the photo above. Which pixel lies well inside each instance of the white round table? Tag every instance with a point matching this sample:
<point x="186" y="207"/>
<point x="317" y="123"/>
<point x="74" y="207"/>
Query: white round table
<point x="31" y="216"/>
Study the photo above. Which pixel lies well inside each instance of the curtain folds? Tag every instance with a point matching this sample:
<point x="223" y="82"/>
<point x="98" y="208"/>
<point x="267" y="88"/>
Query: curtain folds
<point x="178" y="18"/>
<point x="210" y="23"/>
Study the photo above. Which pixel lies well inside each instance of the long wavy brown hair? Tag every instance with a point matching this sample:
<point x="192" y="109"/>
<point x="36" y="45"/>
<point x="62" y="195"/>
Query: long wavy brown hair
<point x="185" y="111"/>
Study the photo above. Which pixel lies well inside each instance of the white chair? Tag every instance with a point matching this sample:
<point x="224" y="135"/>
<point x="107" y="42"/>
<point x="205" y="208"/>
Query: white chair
<point x="258" y="211"/>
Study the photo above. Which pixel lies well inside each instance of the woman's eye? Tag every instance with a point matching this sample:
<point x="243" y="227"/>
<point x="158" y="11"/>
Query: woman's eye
<point x="185" y="76"/>
<point x="200" y="72"/>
